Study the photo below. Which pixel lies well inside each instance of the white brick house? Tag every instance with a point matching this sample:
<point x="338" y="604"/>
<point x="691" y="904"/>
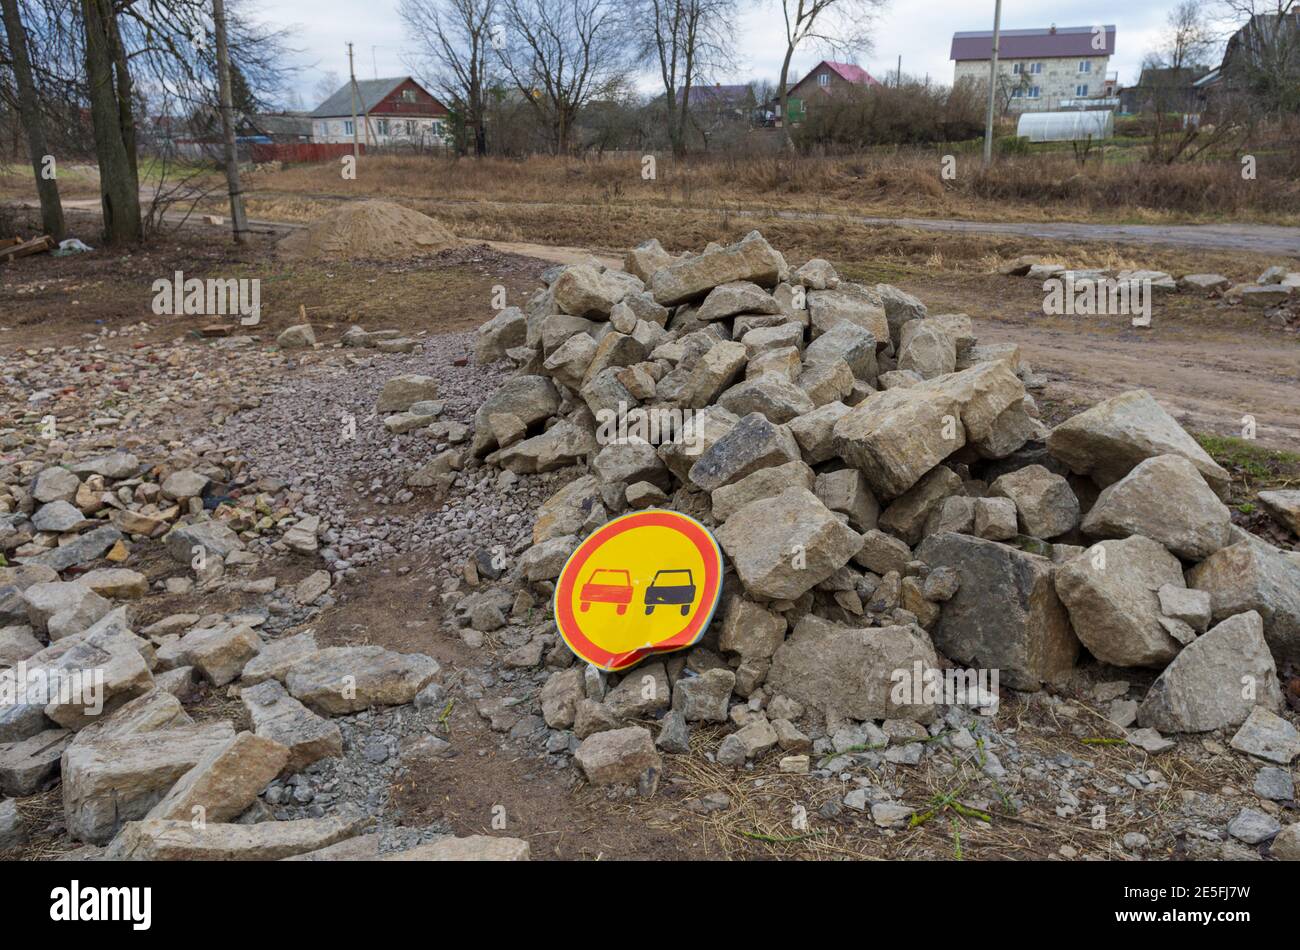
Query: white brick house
<point x="1039" y="70"/>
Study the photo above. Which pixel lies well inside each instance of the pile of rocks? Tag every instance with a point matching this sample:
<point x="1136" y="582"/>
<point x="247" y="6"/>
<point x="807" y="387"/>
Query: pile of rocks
<point x="1276" y="290"/>
<point x="887" y="500"/>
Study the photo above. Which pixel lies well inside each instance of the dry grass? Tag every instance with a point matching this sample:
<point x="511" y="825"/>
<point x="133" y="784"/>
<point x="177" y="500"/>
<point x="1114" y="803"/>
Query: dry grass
<point x="1037" y="187"/>
<point x="959" y="812"/>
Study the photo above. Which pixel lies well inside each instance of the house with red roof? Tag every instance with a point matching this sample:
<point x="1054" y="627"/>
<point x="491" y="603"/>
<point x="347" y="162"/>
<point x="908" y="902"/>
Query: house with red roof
<point x="824" y="81"/>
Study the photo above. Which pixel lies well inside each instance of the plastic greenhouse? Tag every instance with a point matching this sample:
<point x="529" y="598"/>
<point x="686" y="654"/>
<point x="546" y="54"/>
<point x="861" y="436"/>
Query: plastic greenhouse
<point x="1066" y="126"/>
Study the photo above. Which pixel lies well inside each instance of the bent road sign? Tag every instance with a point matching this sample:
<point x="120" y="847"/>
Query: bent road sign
<point x="645" y="583"/>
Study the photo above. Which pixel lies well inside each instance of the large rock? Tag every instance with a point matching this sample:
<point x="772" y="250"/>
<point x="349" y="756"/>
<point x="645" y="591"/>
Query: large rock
<point x="1005" y="615"/>
<point x="531" y="398"/>
<point x="751" y="444"/>
<point x="340" y="680"/>
<point x="277" y="657"/>
<point x="1284" y="506"/>
<point x="563" y="444"/>
<point x="750" y="630"/>
<point x="765" y="483"/>
<point x="1216" y="681"/>
<point x="108" y="783"/>
<point x="1045" y="504"/>
<point x="568" y="364"/>
<point x="84" y="549"/>
<point x="907" y="516"/>
<point x="1112" y="437"/>
<point x="278" y="716"/>
<point x="647" y="257"/>
<point x="752" y="259"/>
<point x="402" y="392"/>
<point x="849" y="342"/>
<point x="31" y="765"/>
<point x="219" y="653"/>
<point x="926" y="349"/>
<point x="843" y="671"/>
<point x="849" y="303"/>
<point x="1166" y="499"/>
<point x="727" y="300"/>
<point x="113" y="656"/>
<point x="815" y="431"/>
<point x="225" y="781"/>
<point x="712" y="374"/>
<point x="618" y="756"/>
<point x="704" y="698"/>
<point x="583" y="291"/>
<point x="1268" y="736"/>
<point x="565" y="512"/>
<point x="560" y="697"/>
<point x="507" y="329"/>
<point x="1249" y="575"/>
<point x="1112" y="593"/>
<point x="786" y="545"/>
<point x="171" y="840"/>
<point x="770" y="394"/>
<point x="213" y="537"/>
<point x="896" y="436"/>
<point x="156" y="709"/>
<point x="62" y="608"/>
<point x="983" y="393"/>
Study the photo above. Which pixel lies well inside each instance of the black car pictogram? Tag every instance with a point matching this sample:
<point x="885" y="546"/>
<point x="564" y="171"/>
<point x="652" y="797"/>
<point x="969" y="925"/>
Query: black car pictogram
<point x="671" y="588"/>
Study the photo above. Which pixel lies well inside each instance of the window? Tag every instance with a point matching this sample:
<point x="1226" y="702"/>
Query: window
<point x="1035" y="68"/>
<point x="1085" y="66"/>
<point x="408" y="95"/>
<point x="1017" y="93"/>
<point x="347" y="126"/>
<point x="382" y="126"/>
<point x="1017" y="69"/>
<point x="410" y="128"/>
<point x="1081" y="90"/>
<point x="824" y="79"/>
<point x="1033" y="92"/>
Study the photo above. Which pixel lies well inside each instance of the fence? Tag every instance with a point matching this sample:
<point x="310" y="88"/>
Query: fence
<point x="301" y="151"/>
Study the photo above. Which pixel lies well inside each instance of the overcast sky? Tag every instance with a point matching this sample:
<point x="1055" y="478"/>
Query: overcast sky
<point x="918" y="30"/>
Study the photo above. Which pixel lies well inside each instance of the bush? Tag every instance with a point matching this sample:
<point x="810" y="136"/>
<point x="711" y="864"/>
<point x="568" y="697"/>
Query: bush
<point x="910" y="114"/>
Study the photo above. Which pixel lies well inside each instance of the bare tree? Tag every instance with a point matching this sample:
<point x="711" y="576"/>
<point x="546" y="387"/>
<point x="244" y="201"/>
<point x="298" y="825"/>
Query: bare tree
<point x="29" y="111"/>
<point x="684" y="40"/>
<point x="562" y="54"/>
<point x="838" y="25"/>
<point x="328" y="84"/>
<point x="1189" y="37"/>
<point x="454" y="42"/>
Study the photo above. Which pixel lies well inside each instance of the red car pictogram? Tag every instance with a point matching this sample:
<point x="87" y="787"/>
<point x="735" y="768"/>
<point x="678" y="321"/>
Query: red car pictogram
<point x="606" y="586"/>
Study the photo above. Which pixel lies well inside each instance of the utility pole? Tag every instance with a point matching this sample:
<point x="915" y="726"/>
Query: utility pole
<point x="898" y="80"/>
<point x="353" y="87"/>
<point x="993" y="84"/>
<point x="238" y="222"/>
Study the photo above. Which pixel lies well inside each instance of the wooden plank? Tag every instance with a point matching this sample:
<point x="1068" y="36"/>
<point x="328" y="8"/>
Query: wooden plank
<point x="37" y="245"/>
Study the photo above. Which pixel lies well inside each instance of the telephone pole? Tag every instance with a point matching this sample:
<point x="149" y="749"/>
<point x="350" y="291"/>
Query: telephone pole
<point x="352" y="76"/>
<point x="993" y="84"/>
<point x="238" y="222"/>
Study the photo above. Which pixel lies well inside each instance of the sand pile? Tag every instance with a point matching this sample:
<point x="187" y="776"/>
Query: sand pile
<point x="368" y="229"/>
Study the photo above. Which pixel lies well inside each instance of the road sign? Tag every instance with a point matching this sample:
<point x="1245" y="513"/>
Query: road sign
<point x="645" y="583"/>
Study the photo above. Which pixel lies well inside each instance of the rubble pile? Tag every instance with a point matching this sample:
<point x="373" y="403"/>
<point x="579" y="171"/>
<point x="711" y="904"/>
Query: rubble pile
<point x="1276" y="290"/>
<point x="937" y="522"/>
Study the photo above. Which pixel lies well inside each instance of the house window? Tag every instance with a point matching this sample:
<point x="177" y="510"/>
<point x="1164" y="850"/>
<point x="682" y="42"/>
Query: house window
<point x="1081" y="90"/>
<point x="347" y="127"/>
<point x="824" y="79"/>
<point x="408" y="95"/>
<point x="382" y="126"/>
<point x="1085" y="66"/>
<point x="410" y="128"/>
<point x="1017" y="93"/>
<point x="1033" y="92"/>
<point x="1035" y="68"/>
<point x="1018" y="68"/>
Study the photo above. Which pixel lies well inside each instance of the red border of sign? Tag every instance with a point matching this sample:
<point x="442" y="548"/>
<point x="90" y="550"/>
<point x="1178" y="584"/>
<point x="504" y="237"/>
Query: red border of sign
<point x="695" y="532"/>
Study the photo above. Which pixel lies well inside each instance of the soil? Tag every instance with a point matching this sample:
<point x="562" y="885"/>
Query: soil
<point x="372" y="230"/>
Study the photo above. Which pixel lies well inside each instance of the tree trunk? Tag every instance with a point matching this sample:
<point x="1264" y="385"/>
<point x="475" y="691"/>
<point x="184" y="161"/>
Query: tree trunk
<point x="784" y="96"/>
<point x="238" y="221"/>
<point x="118" y="184"/>
<point x="29" y="111"/>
